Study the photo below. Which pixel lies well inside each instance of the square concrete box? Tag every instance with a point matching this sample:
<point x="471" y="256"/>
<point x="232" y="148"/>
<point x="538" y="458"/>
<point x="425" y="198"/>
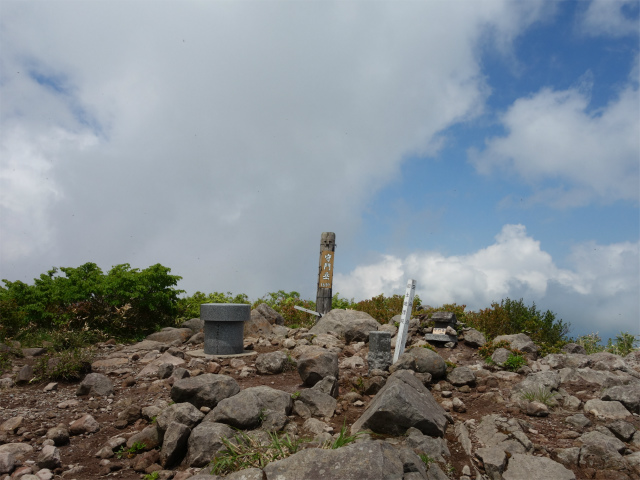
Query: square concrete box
<point x="224" y="327"/>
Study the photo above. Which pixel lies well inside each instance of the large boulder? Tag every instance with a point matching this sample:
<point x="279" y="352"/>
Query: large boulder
<point x="403" y="402"/>
<point x="247" y="409"/>
<point x="522" y="467"/>
<point x="184" y="413"/>
<point x="195" y="325"/>
<point x="519" y="341"/>
<point x="353" y="325"/>
<point x="474" y="338"/>
<point x="95" y="384"/>
<point x="272" y="363"/>
<point x="317" y="363"/>
<point x="462" y="376"/>
<point x="628" y="395"/>
<point x="174" y="444"/>
<point x="170" y="334"/>
<point x="421" y="360"/>
<point x="273" y="317"/>
<point x="205" y="441"/>
<point x="371" y="460"/>
<point x="204" y="390"/>
<point x="257" y="325"/>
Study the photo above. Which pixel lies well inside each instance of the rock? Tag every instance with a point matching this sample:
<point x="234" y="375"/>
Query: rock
<point x="183" y="413"/>
<point x="165" y="370"/>
<point x="195" y="325"/>
<point x="578" y="420"/>
<point x="328" y="385"/>
<point x="500" y="356"/>
<point x="49" y="458"/>
<point x="622" y="430"/>
<point x="7" y="462"/>
<point x="248" y="409"/>
<point x="608" y="442"/>
<point x="371" y="460"/>
<point x="568" y="456"/>
<point x="171" y="334"/>
<point x="59" y="435"/>
<point x="85" y="424"/>
<point x="474" y="338"/>
<point x="18" y="450"/>
<point x="317" y="363"/>
<point x="536" y="409"/>
<point x="204" y="390"/>
<point x="403" y="403"/>
<point x="353" y="325"/>
<point x="422" y="360"/>
<point x="458" y="405"/>
<point x="149" y="436"/>
<point x="205" y="441"/>
<point x="373" y="385"/>
<point x="129" y="415"/>
<point x="152" y="367"/>
<point x="573" y="348"/>
<point x="271" y="363"/>
<point x="494" y="460"/>
<point x="142" y="462"/>
<point x="25" y="374"/>
<point x="435" y="448"/>
<point x="315" y="427"/>
<point x="320" y="404"/>
<point x="12" y="424"/>
<point x="273" y="317"/>
<point x="95" y="384"/>
<point x="504" y="433"/>
<point x="109" y="363"/>
<point x="611" y="410"/>
<point x="522" y="466"/>
<point x="461" y="376"/>
<point x="519" y="341"/>
<point x="628" y="395"/>
<point x="174" y="444"/>
<point x="257" y="325"/>
<point x="6" y="383"/>
<point x="537" y="382"/>
<point x="601" y="452"/>
<point x="352" y="363"/>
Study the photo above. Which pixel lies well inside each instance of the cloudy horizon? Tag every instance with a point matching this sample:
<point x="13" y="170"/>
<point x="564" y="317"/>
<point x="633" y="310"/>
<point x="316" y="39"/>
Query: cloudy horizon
<point x="485" y="149"/>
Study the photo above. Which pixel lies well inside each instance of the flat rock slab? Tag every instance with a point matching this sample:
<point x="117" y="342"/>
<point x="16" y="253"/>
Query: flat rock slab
<point x="371" y="460"/>
<point x="526" y="467"/>
<point x="611" y="410"/>
<point x="152" y="367"/>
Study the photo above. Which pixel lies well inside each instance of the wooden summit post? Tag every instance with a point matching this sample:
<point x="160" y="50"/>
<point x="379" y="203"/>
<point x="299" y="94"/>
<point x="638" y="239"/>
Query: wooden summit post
<point x="325" y="272"/>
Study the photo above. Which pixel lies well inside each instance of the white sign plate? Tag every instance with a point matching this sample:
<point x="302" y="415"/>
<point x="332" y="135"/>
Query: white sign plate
<point x="439" y="331"/>
<point x="404" y="320"/>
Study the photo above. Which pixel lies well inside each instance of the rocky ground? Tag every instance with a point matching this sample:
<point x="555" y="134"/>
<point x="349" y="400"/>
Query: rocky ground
<point x="162" y="406"/>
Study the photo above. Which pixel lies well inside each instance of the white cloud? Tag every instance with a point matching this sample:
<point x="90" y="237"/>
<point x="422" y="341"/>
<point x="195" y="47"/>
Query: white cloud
<point x="228" y="134"/>
<point x="552" y="136"/>
<point x="608" y="17"/>
<point x="598" y="293"/>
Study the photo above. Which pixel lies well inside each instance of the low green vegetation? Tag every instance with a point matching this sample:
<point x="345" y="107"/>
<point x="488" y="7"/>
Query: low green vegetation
<point x="515" y="362"/>
<point x="541" y="395"/>
<point x="69" y="308"/>
<point x="67" y="365"/>
<point x="135" y="449"/>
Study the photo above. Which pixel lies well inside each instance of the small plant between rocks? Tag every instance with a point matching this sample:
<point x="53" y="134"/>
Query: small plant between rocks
<point x="541" y="395"/>
<point x="132" y="451"/>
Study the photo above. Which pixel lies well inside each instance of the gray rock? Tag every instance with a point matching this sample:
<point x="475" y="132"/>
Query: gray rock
<point x="578" y="420"/>
<point x="474" y="338"/>
<point x="85" y="424"/>
<point x="320" y="404"/>
<point x="129" y="415"/>
<point x="600" y="378"/>
<point x="494" y="460"/>
<point x="18" y="450"/>
<point x="411" y="463"/>
<point x="535" y="382"/>
<point x="521" y="467"/>
<point x="273" y="317"/>
<point x="274" y="421"/>
<point x="328" y="385"/>
<point x="435" y="473"/>
<point x="422" y="360"/>
<point x="519" y="341"/>
<point x="403" y="403"/>
<point x="59" y="435"/>
<point x="149" y="436"/>
<point x="371" y="460"/>
<point x="568" y="456"/>
<point x="621" y="429"/>
<point x="34" y="352"/>
<point x="49" y="458"/>
<point x="271" y="363"/>
<point x="435" y="448"/>
<point x="246" y="474"/>
<point x="205" y="441"/>
<point x="249" y="408"/>
<point x="257" y="325"/>
<point x="609" y="443"/>
<point x="204" y="390"/>
<point x="504" y="433"/>
<point x="195" y="325"/>
<point x="183" y="413"/>
<point x="628" y="395"/>
<point x="500" y="356"/>
<point x="353" y="325"/>
<point x="95" y="384"/>
<point x="174" y="445"/>
<point x="317" y="363"/>
<point x="611" y="410"/>
<point x="461" y="376"/>
<point x="25" y="374"/>
<point x="573" y="348"/>
<point x="165" y="370"/>
<point x="7" y="462"/>
<point x="171" y="334"/>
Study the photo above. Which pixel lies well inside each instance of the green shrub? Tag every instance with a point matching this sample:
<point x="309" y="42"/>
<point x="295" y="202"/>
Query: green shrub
<point x="189" y="307"/>
<point x="126" y="301"/>
<point x="67" y="365"/>
<point x="511" y="317"/>
<point x="591" y="343"/>
<point x="284" y="303"/>
<point x="384" y="308"/>
<point x="624" y="344"/>
<point x="515" y="362"/>
<point x="458" y="310"/>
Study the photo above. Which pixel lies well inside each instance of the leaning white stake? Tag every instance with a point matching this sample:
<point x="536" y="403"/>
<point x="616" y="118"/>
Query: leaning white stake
<point x="407" y="306"/>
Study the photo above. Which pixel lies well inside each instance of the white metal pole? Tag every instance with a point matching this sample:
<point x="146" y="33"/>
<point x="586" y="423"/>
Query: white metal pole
<point x="407" y="306"/>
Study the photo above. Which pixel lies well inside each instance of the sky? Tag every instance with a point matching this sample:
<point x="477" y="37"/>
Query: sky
<point x="487" y="149"/>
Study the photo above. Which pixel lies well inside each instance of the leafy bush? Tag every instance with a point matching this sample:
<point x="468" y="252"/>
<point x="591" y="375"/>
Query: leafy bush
<point x="515" y="362"/>
<point x="384" y="308"/>
<point x="126" y="301"/>
<point x="488" y="348"/>
<point x="189" y="307"/>
<point x="284" y="303"/>
<point x="591" y="343"/>
<point x="623" y="344"/>
<point x="511" y="316"/>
